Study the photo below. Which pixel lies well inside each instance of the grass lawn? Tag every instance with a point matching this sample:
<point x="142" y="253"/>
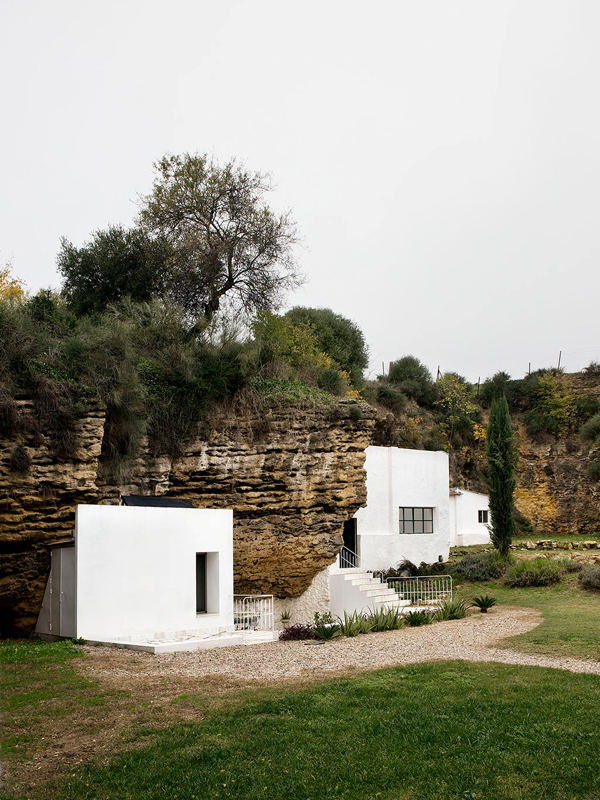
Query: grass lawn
<point x="429" y="732"/>
<point x="571" y="625"/>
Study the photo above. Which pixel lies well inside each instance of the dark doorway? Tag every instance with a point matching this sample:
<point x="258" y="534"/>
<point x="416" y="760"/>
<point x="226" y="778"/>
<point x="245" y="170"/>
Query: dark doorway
<point x="200" y="583"/>
<point x="348" y="555"/>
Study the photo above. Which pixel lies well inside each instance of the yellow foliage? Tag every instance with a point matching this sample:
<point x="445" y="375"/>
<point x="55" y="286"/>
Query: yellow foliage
<point x="12" y="290"/>
<point x="479" y="432"/>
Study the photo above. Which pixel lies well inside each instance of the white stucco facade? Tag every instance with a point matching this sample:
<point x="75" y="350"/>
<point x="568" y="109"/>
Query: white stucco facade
<point x="399" y="478"/>
<point x="135" y="572"/>
<point x="465" y="527"/>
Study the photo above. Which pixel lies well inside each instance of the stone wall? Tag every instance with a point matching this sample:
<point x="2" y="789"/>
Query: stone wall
<point x="293" y="475"/>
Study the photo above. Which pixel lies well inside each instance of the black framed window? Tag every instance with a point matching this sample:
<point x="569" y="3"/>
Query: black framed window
<point x="416" y="520"/>
<point x="483" y="516"/>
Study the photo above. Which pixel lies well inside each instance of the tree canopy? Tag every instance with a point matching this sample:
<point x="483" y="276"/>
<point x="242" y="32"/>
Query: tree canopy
<point x="413" y="378"/>
<point x="338" y="337"/>
<point x="226" y="243"/>
<point x="115" y="263"/>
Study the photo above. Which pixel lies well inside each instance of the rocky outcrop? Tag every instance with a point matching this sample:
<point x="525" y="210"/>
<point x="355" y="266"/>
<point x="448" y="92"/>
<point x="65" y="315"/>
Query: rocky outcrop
<point x="292" y="475"/>
<point x="553" y="490"/>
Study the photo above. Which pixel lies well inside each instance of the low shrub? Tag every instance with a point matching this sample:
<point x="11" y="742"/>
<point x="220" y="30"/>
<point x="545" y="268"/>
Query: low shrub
<point x="385" y="619"/>
<point x="589" y="577"/>
<point x="484" y="603"/>
<point x="569" y="565"/>
<point x="391" y="398"/>
<point x="593" y="470"/>
<point x="452" y="609"/>
<point x="296" y="633"/>
<point x="324" y="627"/>
<point x="355" y="624"/>
<point x="414" y="619"/>
<point x="590" y="430"/>
<point x="481" y="566"/>
<point x="538" y="572"/>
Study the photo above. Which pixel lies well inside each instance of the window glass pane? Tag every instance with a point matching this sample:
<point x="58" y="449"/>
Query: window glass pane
<point x="408" y="513"/>
<point x="408" y="527"/>
<point x="428" y="527"/>
<point x="418" y="513"/>
<point x="419" y="526"/>
<point x="428" y="513"/>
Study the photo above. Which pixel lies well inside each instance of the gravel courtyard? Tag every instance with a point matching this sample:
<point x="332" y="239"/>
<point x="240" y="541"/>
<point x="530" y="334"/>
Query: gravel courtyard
<point x="476" y="638"/>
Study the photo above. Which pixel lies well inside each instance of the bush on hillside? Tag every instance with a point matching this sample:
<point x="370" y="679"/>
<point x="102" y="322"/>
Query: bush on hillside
<point x="412" y="377"/>
<point x="538" y="572"/>
<point x="589" y="577"/>
<point x="590" y="430"/>
<point x="593" y="470"/>
<point x="477" y="567"/>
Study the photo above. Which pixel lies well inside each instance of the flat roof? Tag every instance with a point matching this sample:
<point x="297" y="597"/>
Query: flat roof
<point x="155" y="502"/>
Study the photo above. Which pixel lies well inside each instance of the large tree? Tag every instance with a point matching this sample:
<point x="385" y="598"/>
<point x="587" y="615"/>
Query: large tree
<point x="500" y="450"/>
<point x="338" y="337"/>
<point x="227" y="244"/>
<point x="114" y="263"/>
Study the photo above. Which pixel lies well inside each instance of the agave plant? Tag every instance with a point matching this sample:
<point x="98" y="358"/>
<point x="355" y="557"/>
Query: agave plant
<point x="417" y="618"/>
<point x="452" y="609"/>
<point x="354" y="624"/>
<point x="324" y="627"/>
<point x="385" y="619"/>
<point x="484" y="603"/>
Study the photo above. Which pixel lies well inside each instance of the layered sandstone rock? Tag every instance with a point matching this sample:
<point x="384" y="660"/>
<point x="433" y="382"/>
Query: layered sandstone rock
<point x="292" y="475"/>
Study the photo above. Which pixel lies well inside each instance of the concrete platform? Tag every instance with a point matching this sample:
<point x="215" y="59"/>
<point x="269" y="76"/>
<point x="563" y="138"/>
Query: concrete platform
<point x="191" y="643"/>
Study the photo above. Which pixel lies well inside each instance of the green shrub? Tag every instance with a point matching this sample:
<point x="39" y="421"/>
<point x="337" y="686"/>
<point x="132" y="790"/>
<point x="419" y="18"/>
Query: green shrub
<point x="484" y="603"/>
<point x="570" y="565"/>
<point x="452" y="609"/>
<point x="391" y="398"/>
<point x="481" y="566"/>
<point x="413" y="378"/>
<point x="589" y="577"/>
<point x="324" y="627"/>
<point x="587" y="406"/>
<point x="414" y="619"/>
<point x="593" y="470"/>
<point x="538" y="572"/>
<point x="590" y="430"/>
<point x="354" y="624"/>
<point x="385" y="619"/>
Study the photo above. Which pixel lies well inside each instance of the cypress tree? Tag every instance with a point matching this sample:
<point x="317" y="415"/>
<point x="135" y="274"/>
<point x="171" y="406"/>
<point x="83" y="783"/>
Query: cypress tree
<point x="500" y="450"/>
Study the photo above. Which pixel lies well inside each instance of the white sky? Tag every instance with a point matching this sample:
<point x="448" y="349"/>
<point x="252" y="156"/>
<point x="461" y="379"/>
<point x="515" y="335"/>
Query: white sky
<point x="441" y="158"/>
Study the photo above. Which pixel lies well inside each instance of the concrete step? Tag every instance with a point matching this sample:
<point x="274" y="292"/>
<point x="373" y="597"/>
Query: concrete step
<point x="371" y="591"/>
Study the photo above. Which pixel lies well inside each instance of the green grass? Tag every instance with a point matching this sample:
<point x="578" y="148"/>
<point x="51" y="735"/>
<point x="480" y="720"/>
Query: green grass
<point x="39" y="681"/>
<point x="432" y="732"/>
<point x="571" y="625"/>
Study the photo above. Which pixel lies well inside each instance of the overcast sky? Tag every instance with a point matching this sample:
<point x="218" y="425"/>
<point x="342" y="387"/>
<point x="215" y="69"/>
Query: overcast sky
<point x="441" y="159"/>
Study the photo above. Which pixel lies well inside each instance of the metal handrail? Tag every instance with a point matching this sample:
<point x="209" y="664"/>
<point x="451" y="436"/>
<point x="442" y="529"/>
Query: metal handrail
<point x="253" y="612"/>
<point x="360" y="562"/>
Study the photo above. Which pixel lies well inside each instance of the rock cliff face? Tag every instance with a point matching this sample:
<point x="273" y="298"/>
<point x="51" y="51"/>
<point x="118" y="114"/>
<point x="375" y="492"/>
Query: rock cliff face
<point x="553" y="491"/>
<point x="292" y="475"/>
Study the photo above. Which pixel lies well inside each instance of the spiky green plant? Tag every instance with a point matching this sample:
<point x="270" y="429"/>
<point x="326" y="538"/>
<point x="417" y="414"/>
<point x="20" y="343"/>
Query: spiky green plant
<point x="484" y="602"/>
<point x="452" y="609"/>
<point x="386" y="619"/>
<point x="415" y="619"/>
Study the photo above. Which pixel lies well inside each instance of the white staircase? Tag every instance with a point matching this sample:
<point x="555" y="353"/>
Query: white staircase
<point x="354" y="589"/>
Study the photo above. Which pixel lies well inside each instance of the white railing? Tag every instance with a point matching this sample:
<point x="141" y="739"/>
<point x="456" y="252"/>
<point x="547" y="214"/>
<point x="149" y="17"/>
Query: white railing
<point x="253" y="612"/>
<point x="423" y="590"/>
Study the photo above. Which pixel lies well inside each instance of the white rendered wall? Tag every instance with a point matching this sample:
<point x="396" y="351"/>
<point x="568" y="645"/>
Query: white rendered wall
<point x="136" y="571"/>
<point x="398" y="478"/>
<point x="303" y="608"/>
<point x="464" y="526"/>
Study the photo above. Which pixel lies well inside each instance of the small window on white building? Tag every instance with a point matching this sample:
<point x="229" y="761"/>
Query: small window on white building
<point x="483" y="516"/>
<point x="416" y="520"/>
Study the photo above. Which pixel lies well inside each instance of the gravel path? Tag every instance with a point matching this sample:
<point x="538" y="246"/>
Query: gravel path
<point x="476" y="638"/>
